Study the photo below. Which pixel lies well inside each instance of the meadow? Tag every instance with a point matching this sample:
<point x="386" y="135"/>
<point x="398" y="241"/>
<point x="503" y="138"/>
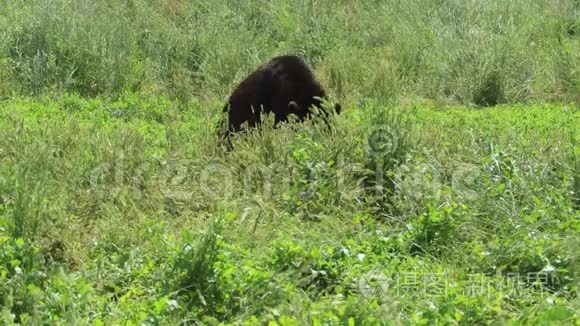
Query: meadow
<point x="446" y="193"/>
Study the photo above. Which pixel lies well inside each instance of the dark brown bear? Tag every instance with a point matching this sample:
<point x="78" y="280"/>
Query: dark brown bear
<point x="283" y="86"/>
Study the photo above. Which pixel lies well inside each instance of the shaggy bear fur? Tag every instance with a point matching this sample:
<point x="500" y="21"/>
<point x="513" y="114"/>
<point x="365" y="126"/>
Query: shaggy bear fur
<point x="283" y="86"/>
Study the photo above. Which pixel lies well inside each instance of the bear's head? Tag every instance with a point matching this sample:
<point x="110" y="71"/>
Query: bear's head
<point x="303" y="110"/>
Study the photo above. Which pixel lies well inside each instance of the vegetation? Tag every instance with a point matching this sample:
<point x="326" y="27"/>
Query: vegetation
<point x="419" y="207"/>
<point x="481" y="52"/>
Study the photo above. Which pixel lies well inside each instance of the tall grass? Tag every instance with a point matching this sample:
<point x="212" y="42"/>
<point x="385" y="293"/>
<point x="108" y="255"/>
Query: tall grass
<point x="480" y="52"/>
<point x="104" y="205"/>
<point x="118" y="206"/>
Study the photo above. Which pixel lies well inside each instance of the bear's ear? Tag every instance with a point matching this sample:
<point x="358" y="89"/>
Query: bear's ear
<point x="293" y="107"/>
<point x="337" y="108"/>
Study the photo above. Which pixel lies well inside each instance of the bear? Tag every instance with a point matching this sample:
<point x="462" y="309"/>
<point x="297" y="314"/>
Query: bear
<point x="284" y="85"/>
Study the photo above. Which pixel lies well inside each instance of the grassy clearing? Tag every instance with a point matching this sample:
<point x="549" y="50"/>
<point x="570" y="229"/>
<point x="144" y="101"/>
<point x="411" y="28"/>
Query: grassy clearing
<point x="117" y="207"/>
<point x="125" y="211"/>
<point x="478" y="52"/>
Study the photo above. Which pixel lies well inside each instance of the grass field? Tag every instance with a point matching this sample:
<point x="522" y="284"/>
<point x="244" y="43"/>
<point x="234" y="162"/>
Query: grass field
<point x="446" y="194"/>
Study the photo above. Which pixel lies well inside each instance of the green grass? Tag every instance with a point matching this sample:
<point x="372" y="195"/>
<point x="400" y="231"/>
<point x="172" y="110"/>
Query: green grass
<point x="467" y="52"/>
<point x="138" y="217"/>
<point x="447" y="193"/>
